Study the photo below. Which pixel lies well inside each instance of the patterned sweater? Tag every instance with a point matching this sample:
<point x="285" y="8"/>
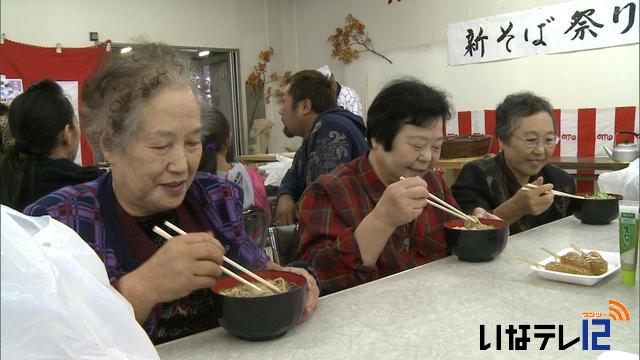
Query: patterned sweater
<point x="91" y="211"/>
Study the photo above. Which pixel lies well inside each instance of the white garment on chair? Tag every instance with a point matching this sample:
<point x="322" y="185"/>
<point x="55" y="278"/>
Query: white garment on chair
<point x="349" y="99"/>
<point x="623" y="182"/>
<point x="238" y="174"/>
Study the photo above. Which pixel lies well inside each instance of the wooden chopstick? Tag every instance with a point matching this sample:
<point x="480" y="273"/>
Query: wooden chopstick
<point x="555" y="192"/>
<point x="434" y="204"/>
<point x="513" y="257"/>
<point x="168" y="236"/>
<point x="453" y="208"/>
<point x="233" y="263"/>
<point x="449" y="208"/>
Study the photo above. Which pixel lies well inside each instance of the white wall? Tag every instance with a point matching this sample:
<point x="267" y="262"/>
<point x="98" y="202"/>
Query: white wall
<point x="281" y="20"/>
<point x="413" y="35"/>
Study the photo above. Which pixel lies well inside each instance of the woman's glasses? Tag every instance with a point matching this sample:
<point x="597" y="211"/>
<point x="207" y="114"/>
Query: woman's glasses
<point x="533" y="141"/>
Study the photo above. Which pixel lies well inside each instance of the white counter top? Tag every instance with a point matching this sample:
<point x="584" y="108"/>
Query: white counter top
<point x="435" y="311"/>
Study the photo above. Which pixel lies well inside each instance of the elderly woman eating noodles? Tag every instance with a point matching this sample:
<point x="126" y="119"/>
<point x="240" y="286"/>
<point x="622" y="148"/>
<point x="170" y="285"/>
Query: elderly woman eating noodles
<point x="141" y="113"/>
<point x="369" y="218"/>
<point x="526" y="131"/>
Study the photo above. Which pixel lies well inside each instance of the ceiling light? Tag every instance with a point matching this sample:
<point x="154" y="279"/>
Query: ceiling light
<point x="204" y="53"/>
<point x="125" y="50"/>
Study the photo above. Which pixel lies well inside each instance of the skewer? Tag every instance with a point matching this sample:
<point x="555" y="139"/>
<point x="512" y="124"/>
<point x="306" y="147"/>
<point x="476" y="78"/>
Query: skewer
<point x="555" y="192"/>
<point x="551" y="252"/>
<point x="458" y="212"/>
<point x="233" y="263"/>
<point x="577" y="249"/>
<point x="513" y="257"/>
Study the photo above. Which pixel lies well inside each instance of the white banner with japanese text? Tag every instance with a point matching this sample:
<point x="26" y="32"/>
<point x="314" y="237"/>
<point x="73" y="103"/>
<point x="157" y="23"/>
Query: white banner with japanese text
<point x="571" y="26"/>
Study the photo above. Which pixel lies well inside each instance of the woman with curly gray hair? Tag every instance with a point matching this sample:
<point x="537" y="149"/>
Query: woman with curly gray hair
<point x="142" y="115"/>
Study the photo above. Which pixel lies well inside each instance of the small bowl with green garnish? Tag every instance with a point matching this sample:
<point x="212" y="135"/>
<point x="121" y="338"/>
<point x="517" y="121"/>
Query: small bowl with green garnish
<point x="597" y="209"/>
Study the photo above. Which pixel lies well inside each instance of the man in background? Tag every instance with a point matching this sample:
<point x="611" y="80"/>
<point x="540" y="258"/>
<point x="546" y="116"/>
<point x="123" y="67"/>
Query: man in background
<point x="332" y="136"/>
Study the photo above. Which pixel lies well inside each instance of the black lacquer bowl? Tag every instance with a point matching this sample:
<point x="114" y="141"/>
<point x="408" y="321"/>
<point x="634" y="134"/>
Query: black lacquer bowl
<point x="476" y="245"/>
<point x="263" y="317"/>
<point x="597" y="211"/>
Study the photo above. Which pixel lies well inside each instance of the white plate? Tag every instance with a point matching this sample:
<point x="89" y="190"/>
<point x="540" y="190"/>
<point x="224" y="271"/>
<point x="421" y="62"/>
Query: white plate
<point x="612" y="258"/>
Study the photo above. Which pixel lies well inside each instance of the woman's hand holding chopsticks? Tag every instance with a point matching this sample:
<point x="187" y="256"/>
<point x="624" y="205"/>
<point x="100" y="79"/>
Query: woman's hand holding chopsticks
<point x="555" y="192"/>
<point x="183" y="264"/>
<point x="273" y="288"/>
<point x="526" y="202"/>
<point x="402" y="202"/>
<point x="438" y="203"/>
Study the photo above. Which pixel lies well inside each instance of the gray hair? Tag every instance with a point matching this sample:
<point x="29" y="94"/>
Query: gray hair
<point x="114" y="94"/>
<point x="517" y="106"/>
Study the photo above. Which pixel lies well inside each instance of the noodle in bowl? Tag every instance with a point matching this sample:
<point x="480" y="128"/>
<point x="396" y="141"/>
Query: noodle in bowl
<point x="260" y="316"/>
<point x="242" y="290"/>
<point x="476" y="245"/>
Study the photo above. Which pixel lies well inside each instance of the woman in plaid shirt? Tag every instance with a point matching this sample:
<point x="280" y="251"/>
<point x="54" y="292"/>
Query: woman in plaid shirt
<point x="360" y="222"/>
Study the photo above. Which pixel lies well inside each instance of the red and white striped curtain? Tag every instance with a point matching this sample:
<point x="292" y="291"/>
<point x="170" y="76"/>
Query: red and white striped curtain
<point x="582" y="132"/>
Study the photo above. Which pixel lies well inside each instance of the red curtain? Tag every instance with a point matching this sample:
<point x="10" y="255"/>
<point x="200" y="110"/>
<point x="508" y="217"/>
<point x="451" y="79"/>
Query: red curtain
<point x="32" y="63"/>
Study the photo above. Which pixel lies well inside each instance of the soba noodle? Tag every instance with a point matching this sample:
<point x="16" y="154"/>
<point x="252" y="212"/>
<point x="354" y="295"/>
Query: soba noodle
<point x="243" y="290"/>
<point x="473" y="225"/>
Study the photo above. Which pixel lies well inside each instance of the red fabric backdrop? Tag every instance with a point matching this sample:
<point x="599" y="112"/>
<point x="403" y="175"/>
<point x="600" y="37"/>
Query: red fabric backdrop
<point x="31" y="63"/>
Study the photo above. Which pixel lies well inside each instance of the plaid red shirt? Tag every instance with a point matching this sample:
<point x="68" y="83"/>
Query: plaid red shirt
<point x="334" y="205"/>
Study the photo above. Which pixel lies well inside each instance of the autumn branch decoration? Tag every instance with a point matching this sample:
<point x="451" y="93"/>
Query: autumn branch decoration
<point x="350" y="40"/>
<point x="261" y="84"/>
<point x="258" y="79"/>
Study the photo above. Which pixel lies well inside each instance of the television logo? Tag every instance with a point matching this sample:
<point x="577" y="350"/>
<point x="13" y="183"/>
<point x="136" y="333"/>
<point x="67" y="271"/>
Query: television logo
<point x="596" y="326"/>
<point x="617" y="312"/>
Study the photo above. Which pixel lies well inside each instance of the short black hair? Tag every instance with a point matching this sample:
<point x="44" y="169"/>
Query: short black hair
<point x="517" y="106"/>
<point x="313" y="85"/>
<point x="404" y="101"/>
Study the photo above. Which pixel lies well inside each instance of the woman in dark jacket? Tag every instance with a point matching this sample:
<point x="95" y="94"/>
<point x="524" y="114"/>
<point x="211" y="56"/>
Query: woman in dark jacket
<point x="46" y="132"/>
<point x="527" y="134"/>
